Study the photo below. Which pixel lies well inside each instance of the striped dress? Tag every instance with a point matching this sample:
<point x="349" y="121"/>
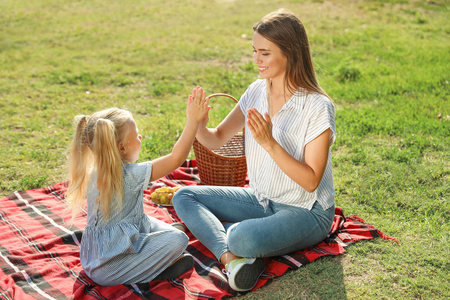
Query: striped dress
<point x="130" y="247"/>
<point x="303" y="118"/>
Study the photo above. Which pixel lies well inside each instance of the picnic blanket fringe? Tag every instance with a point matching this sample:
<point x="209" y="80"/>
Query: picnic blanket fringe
<point x="380" y="234"/>
<point x="39" y="250"/>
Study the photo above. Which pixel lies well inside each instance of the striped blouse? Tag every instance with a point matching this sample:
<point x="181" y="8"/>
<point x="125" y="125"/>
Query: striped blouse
<point x="303" y="118"/>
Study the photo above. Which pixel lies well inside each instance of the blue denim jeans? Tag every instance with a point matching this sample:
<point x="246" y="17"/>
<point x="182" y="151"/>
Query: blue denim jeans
<point x="252" y="231"/>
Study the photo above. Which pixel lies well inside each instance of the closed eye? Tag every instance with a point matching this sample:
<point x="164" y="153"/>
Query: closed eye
<point x="265" y="54"/>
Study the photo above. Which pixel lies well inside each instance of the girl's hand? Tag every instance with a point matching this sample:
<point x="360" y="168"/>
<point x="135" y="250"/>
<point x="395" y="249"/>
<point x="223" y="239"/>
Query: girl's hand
<point x="260" y="128"/>
<point x="197" y="106"/>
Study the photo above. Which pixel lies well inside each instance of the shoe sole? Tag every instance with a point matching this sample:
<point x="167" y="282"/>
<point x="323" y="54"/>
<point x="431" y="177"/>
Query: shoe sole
<point x="178" y="268"/>
<point x="179" y="226"/>
<point x="247" y="275"/>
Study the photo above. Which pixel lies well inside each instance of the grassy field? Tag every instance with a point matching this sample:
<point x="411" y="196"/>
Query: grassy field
<point x="386" y="64"/>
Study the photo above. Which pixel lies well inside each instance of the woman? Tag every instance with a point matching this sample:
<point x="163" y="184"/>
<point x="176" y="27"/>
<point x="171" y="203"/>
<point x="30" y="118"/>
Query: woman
<point x="289" y="123"/>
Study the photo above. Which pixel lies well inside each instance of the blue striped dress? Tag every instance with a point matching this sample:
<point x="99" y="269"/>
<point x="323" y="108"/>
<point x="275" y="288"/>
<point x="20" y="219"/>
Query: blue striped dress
<point x="130" y="247"/>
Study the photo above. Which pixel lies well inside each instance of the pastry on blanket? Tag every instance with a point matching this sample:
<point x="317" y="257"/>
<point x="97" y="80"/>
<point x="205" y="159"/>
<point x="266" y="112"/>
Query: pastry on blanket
<point x="163" y="195"/>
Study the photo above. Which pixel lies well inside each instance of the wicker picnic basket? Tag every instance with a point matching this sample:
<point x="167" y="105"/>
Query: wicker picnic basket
<point x="225" y="166"/>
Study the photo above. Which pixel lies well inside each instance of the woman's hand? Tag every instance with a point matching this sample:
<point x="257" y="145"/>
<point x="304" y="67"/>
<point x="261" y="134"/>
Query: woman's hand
<point x="197" y="106"/>
<point x="261" y="128"/>
<point x="205" y="119"/>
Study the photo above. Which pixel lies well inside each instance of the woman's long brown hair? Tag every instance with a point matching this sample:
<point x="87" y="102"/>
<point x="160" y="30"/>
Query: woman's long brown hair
<point x="285" y="30"/>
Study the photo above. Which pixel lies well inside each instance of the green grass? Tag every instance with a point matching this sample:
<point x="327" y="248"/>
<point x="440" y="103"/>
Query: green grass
<point x="385" y="63"/>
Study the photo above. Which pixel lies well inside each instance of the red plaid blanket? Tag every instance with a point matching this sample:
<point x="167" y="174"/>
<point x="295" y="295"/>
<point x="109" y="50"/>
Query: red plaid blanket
<point x="39" y="250"/>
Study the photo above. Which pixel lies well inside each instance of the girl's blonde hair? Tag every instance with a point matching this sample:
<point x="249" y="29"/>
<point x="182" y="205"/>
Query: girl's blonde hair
<point x="95" y="147"/>
<point x="285" y="30"/>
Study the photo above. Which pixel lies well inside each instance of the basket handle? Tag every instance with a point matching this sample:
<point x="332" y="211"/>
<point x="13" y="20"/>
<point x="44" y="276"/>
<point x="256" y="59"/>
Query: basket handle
<point x="223" y="95"/>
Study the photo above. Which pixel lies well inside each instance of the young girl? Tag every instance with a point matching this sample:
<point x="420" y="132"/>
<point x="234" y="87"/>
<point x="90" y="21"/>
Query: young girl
<point x="289" y="129"/>
<point x="121" y="244"/>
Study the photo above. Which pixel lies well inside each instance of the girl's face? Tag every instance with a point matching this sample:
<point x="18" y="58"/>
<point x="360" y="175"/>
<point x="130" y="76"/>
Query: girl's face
<point x="269" y="58"/>
<point x="131" y="145"/>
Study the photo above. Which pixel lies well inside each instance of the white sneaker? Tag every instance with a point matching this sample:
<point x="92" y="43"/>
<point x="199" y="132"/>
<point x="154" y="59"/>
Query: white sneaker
<point x="243" y="273"/>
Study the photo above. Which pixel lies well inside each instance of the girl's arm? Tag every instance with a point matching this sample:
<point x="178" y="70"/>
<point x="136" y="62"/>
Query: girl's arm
<point x="309" y="174"/>
<point x="214" y="138"/>
<point x="197" y="106"/>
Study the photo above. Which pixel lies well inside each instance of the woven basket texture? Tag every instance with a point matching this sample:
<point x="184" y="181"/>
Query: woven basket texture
<point x="225" y="166"/>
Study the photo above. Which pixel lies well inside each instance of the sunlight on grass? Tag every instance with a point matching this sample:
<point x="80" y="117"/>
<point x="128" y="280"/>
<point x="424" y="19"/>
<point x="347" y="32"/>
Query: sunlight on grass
<point x="385" y="63"/>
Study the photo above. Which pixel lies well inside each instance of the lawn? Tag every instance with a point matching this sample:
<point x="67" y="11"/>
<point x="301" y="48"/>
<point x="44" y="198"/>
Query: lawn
<point x="385" y="63"/>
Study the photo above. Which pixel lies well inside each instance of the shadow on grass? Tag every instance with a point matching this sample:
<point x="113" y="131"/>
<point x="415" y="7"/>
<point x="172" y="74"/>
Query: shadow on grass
<point x="321" y="279"/>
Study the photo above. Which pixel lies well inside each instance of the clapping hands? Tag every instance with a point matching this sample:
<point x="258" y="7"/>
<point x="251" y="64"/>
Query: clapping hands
<point x="260" y="127"/>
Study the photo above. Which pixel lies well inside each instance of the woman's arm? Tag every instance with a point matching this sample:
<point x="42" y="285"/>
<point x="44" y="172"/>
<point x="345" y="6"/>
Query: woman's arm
<point x="214" y="138"/>
<point x="309" y="174"/>
<point x="197" y="106"/>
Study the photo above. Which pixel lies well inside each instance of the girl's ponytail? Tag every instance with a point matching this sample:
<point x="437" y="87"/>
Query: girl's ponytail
<point x="80" y="160"/>
<point x="95" y="148"/>
<point x="108" y="163"/>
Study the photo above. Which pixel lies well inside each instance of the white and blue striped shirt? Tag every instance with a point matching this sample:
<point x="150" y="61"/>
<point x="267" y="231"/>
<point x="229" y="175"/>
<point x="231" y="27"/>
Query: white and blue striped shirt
<point x="303" y="118"/>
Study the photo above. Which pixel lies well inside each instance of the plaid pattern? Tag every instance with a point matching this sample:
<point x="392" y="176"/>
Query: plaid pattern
<point x="39" y="250"/>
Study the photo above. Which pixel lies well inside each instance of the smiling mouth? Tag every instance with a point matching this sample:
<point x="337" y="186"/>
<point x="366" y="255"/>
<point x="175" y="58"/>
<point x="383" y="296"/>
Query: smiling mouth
<point x="262" y="69"/>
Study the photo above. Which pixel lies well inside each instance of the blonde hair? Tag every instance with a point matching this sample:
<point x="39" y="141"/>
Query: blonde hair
<point x="285" y="30"/>
<point x="95" y="147"/>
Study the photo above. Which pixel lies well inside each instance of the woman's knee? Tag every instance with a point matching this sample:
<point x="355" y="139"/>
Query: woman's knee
<point x="182" y="196"/>
<point x="252" y="239"/>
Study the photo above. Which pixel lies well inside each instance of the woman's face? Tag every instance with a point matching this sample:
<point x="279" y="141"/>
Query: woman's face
<point x="269" y="58"/>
